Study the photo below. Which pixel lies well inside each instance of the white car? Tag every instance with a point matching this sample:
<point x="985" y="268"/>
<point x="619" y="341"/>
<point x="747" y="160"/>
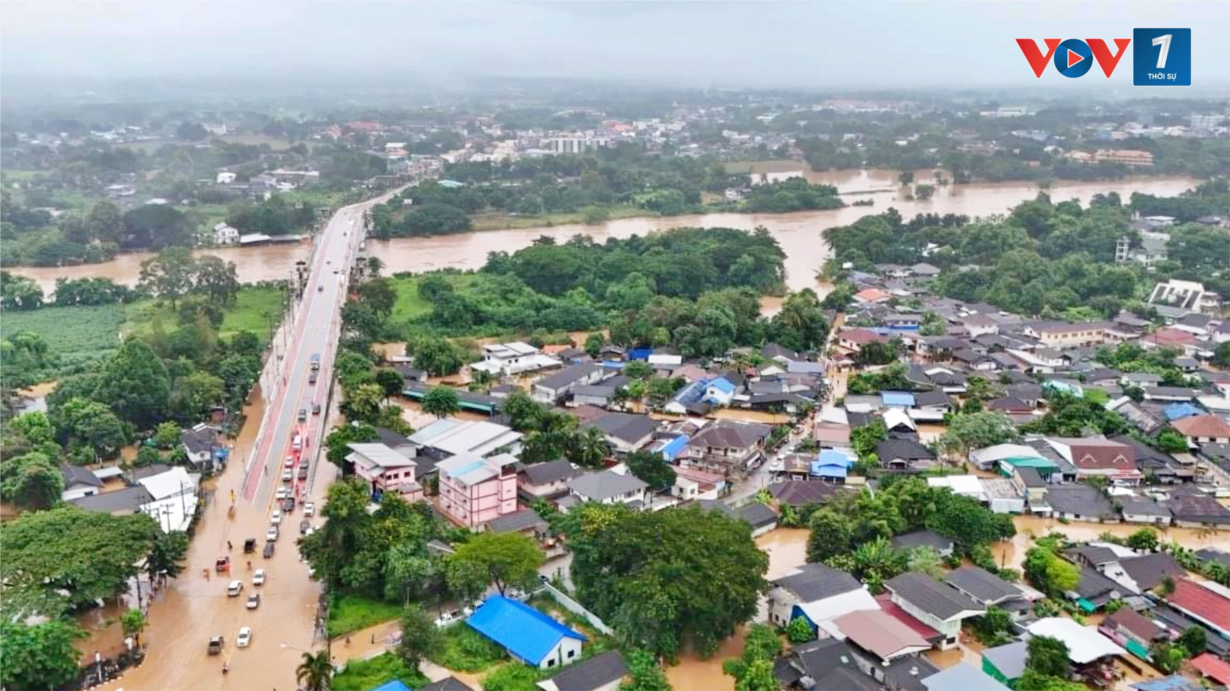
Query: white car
<point x="234" y="589"/>
<point x="309" y="508"/>
<point x="275" y="518"/>
<point x="271" y="536"/>
<point x="244" y="638"/>
<point x="288" y="475"/>
<point x="289" y="462"/>
<point x="258" y="578"/>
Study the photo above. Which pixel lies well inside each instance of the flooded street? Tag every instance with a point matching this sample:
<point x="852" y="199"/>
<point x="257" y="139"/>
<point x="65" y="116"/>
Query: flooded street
<point x="194" y="607"/>
<point x="799" y="233"/>
<point x="1028" y="528"/>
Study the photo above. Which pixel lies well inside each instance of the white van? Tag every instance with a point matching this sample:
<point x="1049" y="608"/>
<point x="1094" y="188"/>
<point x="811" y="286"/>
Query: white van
<point x="296" y="442"/>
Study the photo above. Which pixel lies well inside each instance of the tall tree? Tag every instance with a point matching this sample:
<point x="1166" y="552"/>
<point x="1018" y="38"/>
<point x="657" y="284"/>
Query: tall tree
<point x="831" y="534"/>
<point x="217" y="279"/>
<point x="502" y="560"/>
<point x="420" y="637"/>
<point x="652" y="469"/>
<point x="442" y="401"/>
<point x="40" y="656"/>
<point x="31" y="481"/>
<point x="978" y="430"/>
<point x="1048" y="656"/>
<point x="136" y="385"/>
<point x="315" y="672"/>
<point x="644" y="673"/>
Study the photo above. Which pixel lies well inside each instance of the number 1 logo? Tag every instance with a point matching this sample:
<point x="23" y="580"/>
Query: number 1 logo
<point x="1162" y="57"/>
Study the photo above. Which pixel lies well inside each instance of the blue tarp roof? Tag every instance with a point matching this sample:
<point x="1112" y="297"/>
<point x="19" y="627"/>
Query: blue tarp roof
<point x="674" y="447"/>
<point x="523" y="631"/>
<point x="1174" y="682"/>
<point x="901" y="398"/>
<point x="640" y="353"/>
<point x="1178" y="411"/>
<point x="395" y="685"/>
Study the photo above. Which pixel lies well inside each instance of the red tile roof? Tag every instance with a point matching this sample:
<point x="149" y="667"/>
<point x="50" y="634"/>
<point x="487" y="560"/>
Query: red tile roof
<point x="1169" y="336"/>
<point x="1202" y="426"/>
<point x="1212" y="667"/>
<point x="871" y="295"/>
<point x="1201" y="603"/>
<point x="861" y="336"/>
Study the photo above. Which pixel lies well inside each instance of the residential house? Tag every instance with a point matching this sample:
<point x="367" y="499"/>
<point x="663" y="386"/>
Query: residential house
<point x="78" y="482"/>
<point x="760" y="516"/>
<point x="937" y="605"/>
<point x="799" y="494"/>
<point x="923" y="539"/>
<point x="1131" y="630"/>
<point x="600" y="395"/>
<point x="1080" y="503"/>
<point x="1212" y="668"/>
<point x="609" y="487"/>
<point x="1203" y="429"/>
<point x="828" y="664"/>
<point x="853" y="339"/>
<point x="1203" y="603"/>
<point x="526" y="521"/>
<point x="1143" y="573"/>
<point x="694" y="485"/>
<point x="1085" y="645"/>
<point x="726" y="447"/>
<point x="1006" y="663"/>
<point x="200" y="445"/>
<point x="505" y="359"/>
<point x="833" y="465"/>
<point x="476" y="490"/>
<point x="447" y="438"/>
<point x="624" y="432"/>
<point x="1197" y="509"/>
<point x="554" y="388"/>
<point x="1062" y="335"/>
<point x="962" y="677"/>
<point x="878" y="633"/>
<point x="602" y="672"/>
<point x="982" y="586"/>
<point x="905" y="455"/>
<point x="545" y="480"/>
<point x="817" y="592"/>
<point x="224" y="234"/>
<point x="385" y="470"/>
<point x="1145" y="510"/>
<point x="528" y="635"/>
<point x="1092" y="456"/>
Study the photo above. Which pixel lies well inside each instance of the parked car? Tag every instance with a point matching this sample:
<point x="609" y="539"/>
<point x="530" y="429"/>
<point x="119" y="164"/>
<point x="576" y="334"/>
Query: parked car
<point x="275" y="518"/>
<point x="254" y="601"/>
<point x="245" y="637"/>
<point x="234" y="589"/>
<point x="215" y="645"/>
<point x="272" y="535"/>
<point x="309" y="508"/>
<point x="268" y="551"/>
<point x="258" y="578"/>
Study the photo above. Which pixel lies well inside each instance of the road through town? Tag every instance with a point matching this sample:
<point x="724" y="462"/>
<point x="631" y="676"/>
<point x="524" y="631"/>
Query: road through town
<point x="195" y="606"/>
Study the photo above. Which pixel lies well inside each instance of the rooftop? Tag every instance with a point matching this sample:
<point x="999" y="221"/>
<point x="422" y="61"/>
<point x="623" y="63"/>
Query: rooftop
<point x="525" y="632"/>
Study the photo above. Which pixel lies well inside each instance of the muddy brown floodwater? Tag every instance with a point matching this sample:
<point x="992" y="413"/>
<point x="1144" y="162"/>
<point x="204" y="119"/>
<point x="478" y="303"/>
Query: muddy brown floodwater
<point x="194" y="607"/>
<point x="798" y="233"/>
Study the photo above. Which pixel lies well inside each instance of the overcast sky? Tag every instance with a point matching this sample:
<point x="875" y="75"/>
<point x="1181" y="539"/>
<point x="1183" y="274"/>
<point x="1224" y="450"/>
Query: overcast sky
<point x="815" y="44"/>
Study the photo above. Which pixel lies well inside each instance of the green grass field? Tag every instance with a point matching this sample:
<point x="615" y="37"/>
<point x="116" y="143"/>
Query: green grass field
<point x="76" y="334"/>
<point x="362" y="675"/>
<point x="249" y="313"/>
<point x="410" y="306"/>
<point x="349" y="613"/>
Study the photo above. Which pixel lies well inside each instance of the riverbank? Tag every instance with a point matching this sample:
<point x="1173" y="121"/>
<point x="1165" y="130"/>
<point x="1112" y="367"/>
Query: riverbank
<point x="799" y="233"/>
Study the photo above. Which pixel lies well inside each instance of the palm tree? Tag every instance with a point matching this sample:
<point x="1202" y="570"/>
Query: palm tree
<point x="590" y="447"/>
<point x="133" y="623"/>
<point x="315" y="672"/>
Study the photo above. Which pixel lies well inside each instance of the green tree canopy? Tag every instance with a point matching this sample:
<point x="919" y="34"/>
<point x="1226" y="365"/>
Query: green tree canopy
<point x="503" y="560"/>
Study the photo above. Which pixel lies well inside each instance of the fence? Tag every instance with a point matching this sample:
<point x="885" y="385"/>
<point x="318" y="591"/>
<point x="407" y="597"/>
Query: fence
<point x="575" y="607"/>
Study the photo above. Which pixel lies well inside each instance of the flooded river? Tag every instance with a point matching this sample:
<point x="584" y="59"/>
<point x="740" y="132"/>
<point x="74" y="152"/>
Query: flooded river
<point x="798" y="233"/>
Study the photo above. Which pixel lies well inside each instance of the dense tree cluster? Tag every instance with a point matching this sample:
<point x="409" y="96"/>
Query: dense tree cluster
<point x="273" y="216"/>
<point x="794" y="194"/>
<point x="666" y="579"/>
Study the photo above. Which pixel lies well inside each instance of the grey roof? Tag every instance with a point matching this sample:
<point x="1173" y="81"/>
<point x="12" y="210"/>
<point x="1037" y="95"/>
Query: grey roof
<point x="931" y="596"/>
<point x="594" y="390"/>
<point x="524" y="519"/>
<point x="1097" y="588"/>
<point x="605" y="485"/>
<point x="197" y="441"/>
<point x="922" y="538"/>
<point x="448" y="684"/>
<point x="1092" y="554"/>
<point x="981" y="584"/>
<point x="816" y="582"/>
<point x="591" y="674"/>
<point x="568" y="375"/>
<point x="77" y="475"/>
<point x="127" y="499"/>
<point x="1144" y="506"/>
<point x="758" y="514"/>
<point x="1080" y="500"/>
<point x="1199" y="509"/>
<point x="626" y="427"/>
<point x="1009" y="659"/>
<point x="1030" y="477"/>
<point x="732" y="435"/>
<point x="1149" y="570"/>
<point x="549" y="472"/>
<point x="905" y="449"/>
<point x="931" y="398"/>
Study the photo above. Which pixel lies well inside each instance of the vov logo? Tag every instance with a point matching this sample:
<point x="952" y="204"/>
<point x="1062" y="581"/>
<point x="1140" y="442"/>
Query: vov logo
<point x="1073" y="57"/>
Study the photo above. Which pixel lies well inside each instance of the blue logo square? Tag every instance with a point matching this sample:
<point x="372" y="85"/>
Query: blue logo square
<point x="1162" y="57"/>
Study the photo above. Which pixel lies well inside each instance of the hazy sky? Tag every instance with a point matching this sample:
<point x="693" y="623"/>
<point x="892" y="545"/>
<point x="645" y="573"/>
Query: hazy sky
<point x="819" y="44"/>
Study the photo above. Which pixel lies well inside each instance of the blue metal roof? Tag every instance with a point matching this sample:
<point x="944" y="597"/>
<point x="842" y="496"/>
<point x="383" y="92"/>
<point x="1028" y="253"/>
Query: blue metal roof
<point x="723" y="385"/>
<point x="640" y="353"/>
<point x="523" y="631"/>
<point x="675" y="447"/>
<point x="1174" y="682"/>
<point x="395" y="685"/>
<point x="962" y="677"/>
<point x="1178" y="411"/>
<point x="819" y="469"/>
<point x="901" y="398"/>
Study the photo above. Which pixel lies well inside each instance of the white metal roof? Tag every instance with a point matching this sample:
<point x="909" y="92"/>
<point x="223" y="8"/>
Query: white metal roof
<point x="1085" y="644"/>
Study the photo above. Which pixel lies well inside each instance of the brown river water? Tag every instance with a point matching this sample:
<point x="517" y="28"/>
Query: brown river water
<point x="799" y="233"/>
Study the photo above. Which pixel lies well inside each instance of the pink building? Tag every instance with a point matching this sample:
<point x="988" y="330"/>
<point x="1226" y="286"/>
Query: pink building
<point x="386" y="470"/>
<point x="475" y="490"/>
